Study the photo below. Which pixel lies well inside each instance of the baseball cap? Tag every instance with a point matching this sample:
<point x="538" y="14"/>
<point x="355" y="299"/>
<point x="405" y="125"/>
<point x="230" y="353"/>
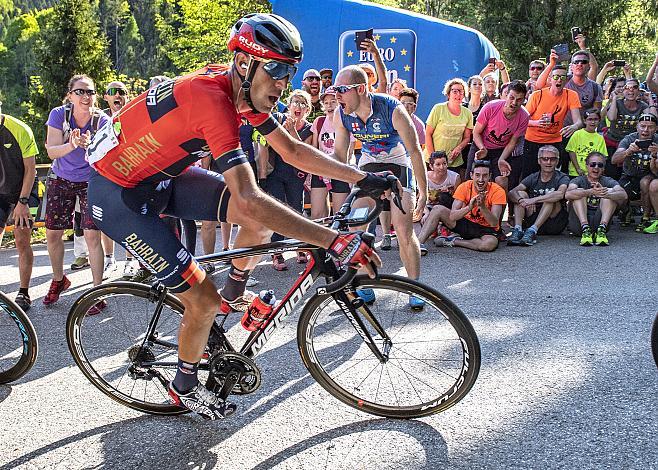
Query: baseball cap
<point x="311" y="73"/>
<point x="323" y="71"/>
<point x="329" y="91"/>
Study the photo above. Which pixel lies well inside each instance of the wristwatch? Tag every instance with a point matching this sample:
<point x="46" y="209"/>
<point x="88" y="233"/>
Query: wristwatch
<point x="23" y="200"/>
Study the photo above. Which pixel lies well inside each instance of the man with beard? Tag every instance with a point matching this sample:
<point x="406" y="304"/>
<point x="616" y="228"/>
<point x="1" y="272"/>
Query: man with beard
<point x="311" y="85"/>
<point x="327" y="78"/>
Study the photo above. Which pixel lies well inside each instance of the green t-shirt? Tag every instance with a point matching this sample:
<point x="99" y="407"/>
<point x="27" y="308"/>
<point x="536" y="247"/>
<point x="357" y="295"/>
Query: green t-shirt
<point x="582" y="143"/>
<point x="17" y="143"/>
<point x="449" y="129"/>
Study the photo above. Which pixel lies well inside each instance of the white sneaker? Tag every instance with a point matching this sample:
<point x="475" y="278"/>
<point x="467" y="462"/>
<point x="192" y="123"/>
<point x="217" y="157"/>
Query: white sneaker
<point x="130" y="268"/>
<point x="109" y="266"/>
<point x="251" y="282"/>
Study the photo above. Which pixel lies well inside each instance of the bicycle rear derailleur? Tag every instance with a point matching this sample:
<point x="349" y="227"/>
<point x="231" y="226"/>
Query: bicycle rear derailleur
<point x="232" y="373"/>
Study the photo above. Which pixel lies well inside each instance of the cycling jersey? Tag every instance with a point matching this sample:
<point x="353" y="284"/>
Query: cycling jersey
<point x="381" y="142"/>
<point x="172" y="125"/>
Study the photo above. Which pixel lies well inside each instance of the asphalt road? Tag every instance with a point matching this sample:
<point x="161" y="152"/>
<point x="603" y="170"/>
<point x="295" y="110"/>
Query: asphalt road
<point x="567" y="379"/>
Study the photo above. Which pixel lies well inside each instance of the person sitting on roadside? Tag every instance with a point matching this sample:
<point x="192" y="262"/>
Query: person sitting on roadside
<point x="475" y="213"/>
<point x="585" y="141"/>
<point x="593" y="199"/>
<point x="539" y="205"/>
<point x="635" y="153"/>
<point x="441" y="184"/>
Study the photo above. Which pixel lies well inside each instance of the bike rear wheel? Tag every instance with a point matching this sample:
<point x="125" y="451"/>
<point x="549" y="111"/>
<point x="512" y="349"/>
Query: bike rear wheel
<point x="19" y="345"/>
<point x="110" y="351"/>
<point x="433" y="361"/>
<point x="654" y="340"/>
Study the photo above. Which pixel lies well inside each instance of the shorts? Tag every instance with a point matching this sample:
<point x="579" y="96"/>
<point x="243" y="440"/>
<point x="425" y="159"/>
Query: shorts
<point x="337" y="186"/>
<point x="403" y="173"/>
<point x="552" y="226"/>
<point x="61" y="195"/>
<point x="469" y="230"/>
<point x="593" y="219"/>
<point x="631" y="185"/>
<point x="131" y="217"/>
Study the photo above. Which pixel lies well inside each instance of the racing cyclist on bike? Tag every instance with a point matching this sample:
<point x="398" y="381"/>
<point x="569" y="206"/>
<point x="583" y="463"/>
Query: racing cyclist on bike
<point x="142" y="168"/>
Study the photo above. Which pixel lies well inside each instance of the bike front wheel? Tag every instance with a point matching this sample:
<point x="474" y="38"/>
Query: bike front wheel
<point x="111" y="351"/>
<point x="433" y="358"/>
<point x="654" y="340"/>
<point x="19" y="346"/>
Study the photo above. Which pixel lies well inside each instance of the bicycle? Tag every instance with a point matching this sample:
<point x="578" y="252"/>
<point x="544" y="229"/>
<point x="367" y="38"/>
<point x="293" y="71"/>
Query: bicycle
<point x="382" y="359"/>
<point x="654" y="340"/>
<point x="19" y="345"/>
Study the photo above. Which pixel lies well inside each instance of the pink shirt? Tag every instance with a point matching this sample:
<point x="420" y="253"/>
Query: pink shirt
<point x="420" y="128"/>
<point x="326" y="135"/>
<point x="498" y="130"/>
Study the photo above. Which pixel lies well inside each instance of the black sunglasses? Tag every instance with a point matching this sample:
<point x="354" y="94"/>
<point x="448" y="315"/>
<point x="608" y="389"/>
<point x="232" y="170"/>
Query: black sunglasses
<point x="535" y="67"/>
<point x="312" y="79"/>
<point x="80" y="92"/>
<point x="279" y="70"/>
<point x="580" y="62"/>
<point x="481" y="163"/>
<point x="596" y="165"/>
<point x="116" y="91"/>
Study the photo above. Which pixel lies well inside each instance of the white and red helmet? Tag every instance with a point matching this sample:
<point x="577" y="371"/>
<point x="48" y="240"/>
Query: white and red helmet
<point x="267" y="36"/>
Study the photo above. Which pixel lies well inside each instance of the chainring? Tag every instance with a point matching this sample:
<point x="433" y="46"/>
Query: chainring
<point x="224" y="363"/>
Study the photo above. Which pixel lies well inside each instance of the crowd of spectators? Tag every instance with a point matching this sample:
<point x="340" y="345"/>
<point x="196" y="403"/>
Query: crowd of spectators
<point x="566" y="148"/>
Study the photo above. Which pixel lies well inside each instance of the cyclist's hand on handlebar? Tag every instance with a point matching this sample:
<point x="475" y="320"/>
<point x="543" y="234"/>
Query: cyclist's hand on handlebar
<point x="376" y="185"/>
<point x="355" y="250"/>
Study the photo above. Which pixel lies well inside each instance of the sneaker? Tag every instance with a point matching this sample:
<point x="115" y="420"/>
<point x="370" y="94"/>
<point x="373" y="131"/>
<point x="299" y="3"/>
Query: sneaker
<point x="203" y="402"/>
<point x="601" y="237"/>
<point x="626" y="218"/>
<point x="56" y="288"/>
<point x="279" y="263"/>
<point x="644" y="223"/>
<point x="367" y="295"/>
<point x="501" y="236"/>
<point x="79" y="263"/>
<point x="423" y="249"/>
<point x="208" y="268"/>
<point x="444" y="231"/>
<point x="130" y="269"/>
<point x="586" y="238"/>
<point x="515" y="238"/>
<point x="652" y="228"/>
<point x="416" y="303"/>
<point x="447" y="241"/>
<point x="386" y="243"/>
<point x="109" y="267"/>
<point x="529" y="238"/>
<point x="23" y="301"/>
<point x="251" y="282"/>
<point x="302" y="258"/>
<point x="97" y="308"/>
<point x="239" y="305"/>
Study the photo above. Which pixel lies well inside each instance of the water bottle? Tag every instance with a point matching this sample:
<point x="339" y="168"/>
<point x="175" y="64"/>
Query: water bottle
<point x="259" y="311"/>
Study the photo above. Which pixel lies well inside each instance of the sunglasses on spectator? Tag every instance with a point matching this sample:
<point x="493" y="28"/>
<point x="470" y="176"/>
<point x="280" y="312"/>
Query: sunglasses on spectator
<point x="313" y="79"/>
<point x="299" y="104"/>
<point x="559" y="77"/>
<point x="580" y="62"/>
<point x="408" y="103"/>
<point x="80" y="92"/>
<point x="632" y="87"/>
<point x="481" y="162"/>
<point x="596" y="165"/>
<point x="345" y="88"/>
<point x="536" y="67"/>
<point x="327" y="77"/>
<point x="548" y="159"/>
<point x="116" y="91"/>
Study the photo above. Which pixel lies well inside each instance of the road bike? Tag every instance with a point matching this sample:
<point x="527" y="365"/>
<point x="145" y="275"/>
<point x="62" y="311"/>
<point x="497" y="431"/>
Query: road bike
<point x="382" y="358"/>
<point x="19" y="345"/>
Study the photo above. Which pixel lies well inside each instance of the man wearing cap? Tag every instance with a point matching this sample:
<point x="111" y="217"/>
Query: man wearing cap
<point x="327" y="78"/>
<point x="637" y="155"/>
<point x="311" y="85"/>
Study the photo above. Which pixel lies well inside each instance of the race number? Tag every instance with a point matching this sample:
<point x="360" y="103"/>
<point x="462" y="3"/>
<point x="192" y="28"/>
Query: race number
<point x="105" y="139"/>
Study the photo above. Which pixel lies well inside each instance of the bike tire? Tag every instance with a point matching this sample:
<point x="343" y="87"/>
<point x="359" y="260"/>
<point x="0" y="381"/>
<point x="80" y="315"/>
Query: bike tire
<point x="128" y="304"/>
<point x="654" y="340"/>
<point x="13" y="366"/>
<point x="333" y="362"/>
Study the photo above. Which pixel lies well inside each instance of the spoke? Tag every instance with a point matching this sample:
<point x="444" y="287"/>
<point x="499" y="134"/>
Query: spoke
<point x="418" y="379"/>
<point x="426" y="363"/>
<point x="397" y="400"/>
<point x="368" y="375"/>
<point x="350" y="367"/>
<point x="379" y="383"/>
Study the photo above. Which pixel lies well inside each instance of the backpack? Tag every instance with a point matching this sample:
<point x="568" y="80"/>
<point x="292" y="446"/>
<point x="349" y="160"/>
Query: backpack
<point x="68" y="116"/>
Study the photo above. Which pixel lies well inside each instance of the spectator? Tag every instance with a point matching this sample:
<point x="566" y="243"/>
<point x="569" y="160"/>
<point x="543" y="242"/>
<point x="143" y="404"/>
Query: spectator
<point x="585" y="141"/>
<point x="311" y="85"/>
<point x="17" y="177"/>
<point x="474" y="99"/>
<point x="324" y="137"/>
<point x="395" y="87"/>
<point x="535" y="68"/>
<point x="441" y="184"/>
<point x="609" y="66"/>
<point x="475" y="213"/>
<point x="548" y="109"/>
<point x="652" y="78"/>
<point x="376" y="74"/>
<point x="635" y="153"/>
<point x="499" y="126"/>
<point x="539" y="205"/>
<point x="652" y="227"/>
<point x="450" y="125"/>
<point x="623" y="112"/>
<point x="66" y="143"/>
<point x="491" y="81"/>
<point x="327" y="78"/>
<point x="409" y="99"/>
<point x="616" y="86"/>
<point x="286" y="183"/>
<point x="593" y="199"/>
<point x="116" y="96"/>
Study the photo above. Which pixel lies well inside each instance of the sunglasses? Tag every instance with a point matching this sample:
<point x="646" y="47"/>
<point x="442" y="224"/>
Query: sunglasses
<point x="312" y="79"/>
<point x="279" y="70"/>
<point x="345" y="88"/>
<point x="632" y="87"/>
<point x="580" y="62"/>
<point x="299" y="104"/>
<point x="80" y="92"/>
<point x="327" y="77"/>
<point x="116" y="91"/>
<point x="534" y="67"/>
<point x="481" y="163"/>
<point x="559" y="77"/>
<point x="596" y="165"/>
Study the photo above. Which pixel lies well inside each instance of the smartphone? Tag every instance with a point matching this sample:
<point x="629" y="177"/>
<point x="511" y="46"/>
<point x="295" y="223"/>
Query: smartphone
<point x="492" y="60"/>
<point x="575" y="31"/>
<point x="618" y="63"/>
<point x="562" y="51"/>
<point x="643" y="144"/>
<point x="360" y="36"/>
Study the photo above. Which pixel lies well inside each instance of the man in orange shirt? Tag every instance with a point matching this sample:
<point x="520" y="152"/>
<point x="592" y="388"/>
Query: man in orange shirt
<point x="475" y="212"/>
<point x="548" y="107"/>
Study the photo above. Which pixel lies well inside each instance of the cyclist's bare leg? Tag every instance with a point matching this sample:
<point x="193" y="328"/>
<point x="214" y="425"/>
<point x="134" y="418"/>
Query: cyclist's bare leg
<point x="407" y="240"/>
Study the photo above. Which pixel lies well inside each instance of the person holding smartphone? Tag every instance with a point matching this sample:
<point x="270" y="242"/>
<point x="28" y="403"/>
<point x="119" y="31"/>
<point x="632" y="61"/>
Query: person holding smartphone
<point x="635" y="153"/>
<point x="17" y="173"/>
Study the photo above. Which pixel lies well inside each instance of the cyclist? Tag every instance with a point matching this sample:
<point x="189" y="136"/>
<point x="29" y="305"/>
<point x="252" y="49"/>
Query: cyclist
<point x="142" y="168"/>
